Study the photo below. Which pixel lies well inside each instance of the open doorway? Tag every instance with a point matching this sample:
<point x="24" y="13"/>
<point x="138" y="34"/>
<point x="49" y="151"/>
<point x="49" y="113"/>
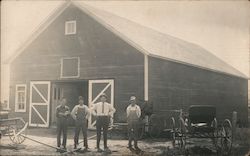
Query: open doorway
<point x="71" y="90"/>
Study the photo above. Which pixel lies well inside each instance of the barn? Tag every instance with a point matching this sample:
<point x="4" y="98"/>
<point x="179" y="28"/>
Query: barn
<point x="80" y="50"/>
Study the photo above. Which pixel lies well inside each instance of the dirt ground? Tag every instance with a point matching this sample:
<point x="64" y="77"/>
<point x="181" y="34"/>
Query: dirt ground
<point x="117" y="144"/>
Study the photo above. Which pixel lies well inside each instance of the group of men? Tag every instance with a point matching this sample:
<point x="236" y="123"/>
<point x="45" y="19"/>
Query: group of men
<point x="103" y="111"/>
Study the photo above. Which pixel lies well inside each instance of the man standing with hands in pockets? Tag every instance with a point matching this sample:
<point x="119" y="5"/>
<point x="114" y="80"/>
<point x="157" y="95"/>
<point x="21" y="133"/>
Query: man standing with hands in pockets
<point x="133" y="116"/>
<point x="103" y="111"/>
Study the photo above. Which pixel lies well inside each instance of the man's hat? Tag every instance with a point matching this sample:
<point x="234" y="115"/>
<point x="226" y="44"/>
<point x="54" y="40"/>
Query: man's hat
<point x="132" y="98"/>
<point x="103" y="95"/>
<point x="80" y="98"/>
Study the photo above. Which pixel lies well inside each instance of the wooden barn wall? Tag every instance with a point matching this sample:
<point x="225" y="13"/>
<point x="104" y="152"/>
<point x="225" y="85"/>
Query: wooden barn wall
<point x="177" y="86"/>
<point x="103" y="55"/>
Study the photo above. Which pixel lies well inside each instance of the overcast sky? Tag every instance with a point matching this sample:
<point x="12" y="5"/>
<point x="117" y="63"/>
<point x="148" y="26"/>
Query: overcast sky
<point x="221" y="27"/>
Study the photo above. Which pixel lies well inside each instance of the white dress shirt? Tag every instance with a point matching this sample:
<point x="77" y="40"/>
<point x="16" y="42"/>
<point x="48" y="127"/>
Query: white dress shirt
<point x="103" y="109"/>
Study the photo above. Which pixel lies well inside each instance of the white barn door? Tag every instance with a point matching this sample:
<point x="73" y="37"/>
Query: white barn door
<point x="39" y="103"/>
<point x="96" y="88"/>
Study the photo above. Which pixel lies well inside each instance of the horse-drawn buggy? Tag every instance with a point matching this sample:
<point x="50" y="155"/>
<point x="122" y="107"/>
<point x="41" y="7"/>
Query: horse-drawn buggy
<point x="201" y="122"/>
<point x="15" y="128"/>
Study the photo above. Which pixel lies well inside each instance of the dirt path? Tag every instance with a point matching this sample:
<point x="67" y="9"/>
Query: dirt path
<point x="118" y="145"/>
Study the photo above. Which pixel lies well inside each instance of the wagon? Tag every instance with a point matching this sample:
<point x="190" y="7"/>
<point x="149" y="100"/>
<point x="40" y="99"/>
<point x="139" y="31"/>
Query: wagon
<point x="15" y="128"/>
<point x="201" y="122"/>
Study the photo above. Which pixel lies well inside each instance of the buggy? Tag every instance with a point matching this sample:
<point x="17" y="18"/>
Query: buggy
<point x="201" y="122"/>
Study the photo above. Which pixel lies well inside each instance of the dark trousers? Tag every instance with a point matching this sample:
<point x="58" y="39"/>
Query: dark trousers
<point x="102" y="122"/>
<point x="81" y="126"/>
<point x="61" y="128"/>
<point x="133" y="132"/>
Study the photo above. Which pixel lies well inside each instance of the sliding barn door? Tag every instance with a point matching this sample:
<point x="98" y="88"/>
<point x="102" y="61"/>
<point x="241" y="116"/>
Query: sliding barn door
<point x="39" y="103"/>
<point x="96" y="88"/>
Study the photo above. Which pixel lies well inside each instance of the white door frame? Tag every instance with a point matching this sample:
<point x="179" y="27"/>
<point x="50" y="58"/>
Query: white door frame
<point x="46" y="103"/>
<point x="92" y="101"/>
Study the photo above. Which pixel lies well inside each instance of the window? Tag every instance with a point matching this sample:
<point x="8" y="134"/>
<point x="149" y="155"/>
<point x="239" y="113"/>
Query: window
<point x="20" y="101"/>
<point x="70" y="27"/>
<point x="70" y="67"/>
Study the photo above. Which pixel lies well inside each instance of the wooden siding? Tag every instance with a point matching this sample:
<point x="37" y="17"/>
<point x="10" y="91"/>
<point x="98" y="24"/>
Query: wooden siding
<point x="176" y="86"/>
<point x="102" y="54"/>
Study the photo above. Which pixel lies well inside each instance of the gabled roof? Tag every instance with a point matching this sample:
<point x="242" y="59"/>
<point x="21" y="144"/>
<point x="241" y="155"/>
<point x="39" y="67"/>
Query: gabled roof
<point x="152" y="42"/>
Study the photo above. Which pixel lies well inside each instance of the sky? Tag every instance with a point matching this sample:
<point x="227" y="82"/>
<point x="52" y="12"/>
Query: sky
<point x="221" y="27"/>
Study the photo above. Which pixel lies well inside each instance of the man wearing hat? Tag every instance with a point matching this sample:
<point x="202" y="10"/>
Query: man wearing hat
<point x="80" y="114"/>
<point x="133" y="115"/>
<point x="103" y="111"/>
<point x="62" y="114"/>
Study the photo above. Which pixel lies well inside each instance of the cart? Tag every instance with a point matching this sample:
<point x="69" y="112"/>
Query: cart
<point x="15" y="128"/>
<point x="201" y="122"/>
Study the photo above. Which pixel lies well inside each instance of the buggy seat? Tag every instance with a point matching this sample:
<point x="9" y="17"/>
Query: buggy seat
<point x="201" y="114"/>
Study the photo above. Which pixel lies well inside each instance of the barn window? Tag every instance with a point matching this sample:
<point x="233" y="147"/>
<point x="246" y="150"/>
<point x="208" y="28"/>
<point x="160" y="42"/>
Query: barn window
<point x="20" y="99"/>
<point x="70" y="27"/>
<point x="70" y="67"/>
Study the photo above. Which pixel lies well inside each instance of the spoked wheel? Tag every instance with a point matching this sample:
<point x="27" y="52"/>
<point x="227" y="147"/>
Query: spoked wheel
<point x="141" y="130"/>
<point x="156" y="126"/>
<point x="182" y="134"/>
<point x="17" y="134"/>
<point x="173" y="131"/>
<point x="214" y="125"/>
<point x="226" y="137"/>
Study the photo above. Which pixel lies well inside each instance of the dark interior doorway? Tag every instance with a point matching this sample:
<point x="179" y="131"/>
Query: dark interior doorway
<point x="71" y="90"/>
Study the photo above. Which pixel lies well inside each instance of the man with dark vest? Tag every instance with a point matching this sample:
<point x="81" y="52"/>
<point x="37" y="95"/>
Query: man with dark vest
<point x="80" y="114"/>
<point x="103" y="111"/>
<point x="133" y="116"/>
<point x="62" y="114"/>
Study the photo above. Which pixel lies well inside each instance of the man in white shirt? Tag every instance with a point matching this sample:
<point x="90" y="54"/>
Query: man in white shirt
<point x="103" y="111"/>
<point x="133" y="116"/>
<point x="80" y="114"/>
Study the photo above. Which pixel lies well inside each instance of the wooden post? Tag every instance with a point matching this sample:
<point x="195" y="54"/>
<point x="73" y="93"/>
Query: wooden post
<point x="145" y="77"/>
<point x="234" y="123"/>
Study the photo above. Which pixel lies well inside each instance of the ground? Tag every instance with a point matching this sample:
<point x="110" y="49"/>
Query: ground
<point x="117" y="144"/>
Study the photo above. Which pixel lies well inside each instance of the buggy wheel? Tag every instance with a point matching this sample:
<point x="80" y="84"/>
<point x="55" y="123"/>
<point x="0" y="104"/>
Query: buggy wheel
<point x="155" y="126"/>
<point x="173" y="130"/>
<point x="226" y="137"/>
<point x="14" y="136"/>
<point x="141" y="130"/>
<point x="214" y="125"/>
<point x="182" y="134"/>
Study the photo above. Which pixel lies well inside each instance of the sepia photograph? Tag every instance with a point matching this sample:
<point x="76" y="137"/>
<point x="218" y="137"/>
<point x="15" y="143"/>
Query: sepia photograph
<point x="125" y="77"/>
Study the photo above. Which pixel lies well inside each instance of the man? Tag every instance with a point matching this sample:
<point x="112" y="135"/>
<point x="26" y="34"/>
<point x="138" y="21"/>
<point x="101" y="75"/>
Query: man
<point x="80" y="114"/>
<point x="133" y="116"/>
<point x="103" y="111"/>
<point x="62" y="114"/>
<point x="146" y="112"/>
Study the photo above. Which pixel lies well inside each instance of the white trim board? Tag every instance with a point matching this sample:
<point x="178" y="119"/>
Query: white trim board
<point x="146" y="77"/>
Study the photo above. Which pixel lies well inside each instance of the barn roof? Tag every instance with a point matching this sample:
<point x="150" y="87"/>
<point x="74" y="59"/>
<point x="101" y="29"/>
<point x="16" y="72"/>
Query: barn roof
<point x="157" y="44"/>
<point x="152" y="42"/>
